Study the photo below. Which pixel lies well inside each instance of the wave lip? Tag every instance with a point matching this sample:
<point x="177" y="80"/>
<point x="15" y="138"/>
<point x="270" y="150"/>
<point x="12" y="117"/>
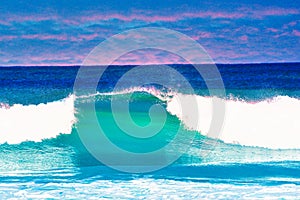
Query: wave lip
<point x="21" y="123"/>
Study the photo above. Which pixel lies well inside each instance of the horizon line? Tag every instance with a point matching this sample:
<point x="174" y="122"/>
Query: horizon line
<point x="78" y="65"/>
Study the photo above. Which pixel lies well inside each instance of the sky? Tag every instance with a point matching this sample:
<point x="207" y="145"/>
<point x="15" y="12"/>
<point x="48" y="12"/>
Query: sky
<point x="63" y="32"/>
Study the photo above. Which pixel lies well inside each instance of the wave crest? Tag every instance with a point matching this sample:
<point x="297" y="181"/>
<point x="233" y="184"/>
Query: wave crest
<point x="21" y="123"/>
<point x="271" y="123"/>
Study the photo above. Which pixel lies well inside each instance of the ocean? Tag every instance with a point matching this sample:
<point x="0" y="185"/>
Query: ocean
<point x="50" y="149"/>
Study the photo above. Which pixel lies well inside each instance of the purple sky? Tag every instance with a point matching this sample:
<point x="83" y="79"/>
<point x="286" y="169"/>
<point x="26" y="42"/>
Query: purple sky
<point x="62" y="32"/>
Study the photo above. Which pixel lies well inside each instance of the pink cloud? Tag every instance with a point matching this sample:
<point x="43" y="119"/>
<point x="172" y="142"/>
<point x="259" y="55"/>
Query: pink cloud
<point x="135" y="36"/>
<point x="244" y="38"/>
<point x="292" y="23"/>
<point x="201" y="35"/>
<point x="213" y="15"/>
<point x="222" y="55"/>
<point x="277" y="11"/>
<point x="296" y="33"/>
<point x="63" y="37"/>
<point x="282" y="34"/>
<point x="4" y="22"/>
<point x="150" y="17"/>
<point x="126" y="18"/>
<point x="36" y="18"/>
<point x="45" y="37"/>
<point x="273" y="30"/>
<point x="82" y="37"/>
<point x="271" y="11"/>
<point x="248" y="29"/>
<point x="53" y="58"/>
<point x="7" y="37"/>
<point x="153" y="17"/>
<point x="148" y="56"/>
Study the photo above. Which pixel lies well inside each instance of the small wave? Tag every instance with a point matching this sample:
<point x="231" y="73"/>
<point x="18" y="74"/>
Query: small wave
<point x="21" y="123"/>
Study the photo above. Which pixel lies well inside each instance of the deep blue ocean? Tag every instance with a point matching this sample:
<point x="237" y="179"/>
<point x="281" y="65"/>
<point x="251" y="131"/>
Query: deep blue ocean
<point x="43" y="123"/>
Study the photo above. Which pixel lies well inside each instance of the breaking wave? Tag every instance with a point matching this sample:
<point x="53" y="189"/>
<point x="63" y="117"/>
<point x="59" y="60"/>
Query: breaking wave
<point x="271" y="123"/>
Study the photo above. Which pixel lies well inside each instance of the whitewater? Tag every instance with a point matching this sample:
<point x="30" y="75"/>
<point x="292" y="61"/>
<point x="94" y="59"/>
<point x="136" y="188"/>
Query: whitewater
<point x="20" y="123"/>
<point x="270" y="123"/>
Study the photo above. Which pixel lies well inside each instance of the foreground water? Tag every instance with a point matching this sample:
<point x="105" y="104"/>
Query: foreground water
<point x="257" y="154"/>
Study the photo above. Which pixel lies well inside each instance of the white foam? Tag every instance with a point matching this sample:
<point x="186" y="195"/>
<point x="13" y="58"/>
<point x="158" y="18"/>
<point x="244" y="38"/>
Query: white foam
<point x="20" y="123"/>
<point x="270" y="123"/>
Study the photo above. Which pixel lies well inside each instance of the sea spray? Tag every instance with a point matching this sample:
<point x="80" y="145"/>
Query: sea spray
<point x="21" y="123"/>
<point x="271" y="123"/>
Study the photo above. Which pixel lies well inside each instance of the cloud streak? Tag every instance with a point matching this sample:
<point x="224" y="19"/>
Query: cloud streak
<point x="230" y="32"/>
<point x="153" y="16"/>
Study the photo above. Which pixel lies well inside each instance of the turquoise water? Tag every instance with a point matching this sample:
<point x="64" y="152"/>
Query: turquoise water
<point x="43" y="153"/>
